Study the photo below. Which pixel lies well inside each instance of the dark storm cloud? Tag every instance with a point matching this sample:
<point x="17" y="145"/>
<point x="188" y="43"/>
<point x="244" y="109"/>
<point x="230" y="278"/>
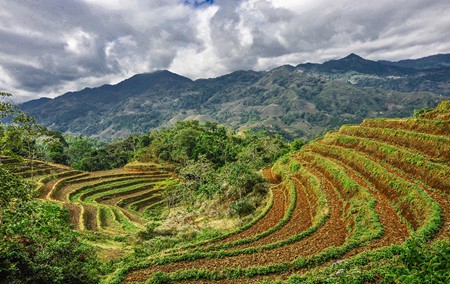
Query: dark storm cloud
<point x="50" y="47"/>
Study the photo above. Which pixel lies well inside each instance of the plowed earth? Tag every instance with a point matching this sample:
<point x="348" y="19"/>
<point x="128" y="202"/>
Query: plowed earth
<point x="332" y="233"/>
<point x="85" y="215"/>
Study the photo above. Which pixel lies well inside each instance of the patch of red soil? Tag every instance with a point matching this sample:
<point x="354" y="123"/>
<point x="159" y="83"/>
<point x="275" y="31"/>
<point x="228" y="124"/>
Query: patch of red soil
<point x="332" y="233"/>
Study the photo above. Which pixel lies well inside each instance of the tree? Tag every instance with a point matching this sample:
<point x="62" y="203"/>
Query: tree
<point x="37" y="244"/>
<point x="30" y="131"/>
<point x="296" y="145"/>
<point x="53" y="149"/>
<point x="6" y="108"/>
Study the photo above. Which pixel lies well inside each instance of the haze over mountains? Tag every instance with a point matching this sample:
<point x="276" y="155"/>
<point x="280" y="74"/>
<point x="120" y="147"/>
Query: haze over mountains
<point x="301" y="101"/>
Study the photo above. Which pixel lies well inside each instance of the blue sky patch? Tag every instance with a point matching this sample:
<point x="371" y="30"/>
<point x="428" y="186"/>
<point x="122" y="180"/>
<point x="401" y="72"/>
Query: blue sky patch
<point x="198" y="3"/>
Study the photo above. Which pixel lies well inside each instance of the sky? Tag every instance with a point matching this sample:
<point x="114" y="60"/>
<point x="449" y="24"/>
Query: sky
<point x="49" y="47"/>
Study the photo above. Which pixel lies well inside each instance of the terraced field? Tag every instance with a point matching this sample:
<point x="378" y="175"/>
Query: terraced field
<point x="35" y="169"/>
<point x="350" y="199"/>
<point x="112" y="202"/>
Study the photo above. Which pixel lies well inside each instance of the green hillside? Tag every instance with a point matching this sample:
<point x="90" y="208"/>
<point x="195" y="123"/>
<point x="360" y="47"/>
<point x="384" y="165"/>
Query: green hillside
<point x="297" y="102"/>
<point x="201" y="203"/>
<point x="366" y="204"/>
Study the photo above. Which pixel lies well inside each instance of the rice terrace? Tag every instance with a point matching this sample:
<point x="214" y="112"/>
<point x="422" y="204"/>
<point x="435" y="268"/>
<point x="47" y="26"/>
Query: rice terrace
<point x="224" y="141"/>
<point x="353" y="206"/>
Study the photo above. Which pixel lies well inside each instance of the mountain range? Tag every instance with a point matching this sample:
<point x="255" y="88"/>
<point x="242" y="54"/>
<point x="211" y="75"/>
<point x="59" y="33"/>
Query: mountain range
<point x="300" y="101"/>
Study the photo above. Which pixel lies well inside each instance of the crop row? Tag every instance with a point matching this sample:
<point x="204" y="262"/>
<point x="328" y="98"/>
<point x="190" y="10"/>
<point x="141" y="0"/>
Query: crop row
<point x="93" y="198"/>
<point x="363" y="220"/>
<point x="436" y="147"/>
<point x="65" y="188"/>
<point x="386" y="184"/>
<point x="346" y="189"/>
<point x="410" y="200"/>
<point x="433" y="174"/>
<point x="366" y="225"/>
<point x="429" y="126"/>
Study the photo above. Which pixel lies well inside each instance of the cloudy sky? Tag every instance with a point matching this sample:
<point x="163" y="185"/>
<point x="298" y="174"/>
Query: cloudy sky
<point x="49" y="47"/>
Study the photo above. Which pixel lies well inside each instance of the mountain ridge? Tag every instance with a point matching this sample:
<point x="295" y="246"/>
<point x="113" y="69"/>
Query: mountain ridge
<point x="305" y="100"/>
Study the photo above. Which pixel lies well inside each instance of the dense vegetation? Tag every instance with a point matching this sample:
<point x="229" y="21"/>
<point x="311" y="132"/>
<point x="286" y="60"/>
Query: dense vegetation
<point x="367" y="203"/>
<point x="214" y="162"/>
<point x="37" y="244"/>
<point x="219" y="170"/>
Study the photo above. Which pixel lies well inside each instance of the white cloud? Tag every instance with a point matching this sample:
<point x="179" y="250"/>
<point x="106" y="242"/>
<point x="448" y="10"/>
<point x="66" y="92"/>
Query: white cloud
<point x="52" y="47"/>
<point x="110" y="4"/>
<point x="80" y="43"/>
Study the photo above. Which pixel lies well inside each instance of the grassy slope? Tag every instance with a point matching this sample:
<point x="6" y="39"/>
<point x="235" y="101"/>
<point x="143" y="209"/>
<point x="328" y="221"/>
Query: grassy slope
<point x="386" y="186"/>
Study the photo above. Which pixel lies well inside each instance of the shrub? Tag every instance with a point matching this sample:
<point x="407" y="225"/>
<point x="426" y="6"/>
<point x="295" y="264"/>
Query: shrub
<point x="423" y="264"/>
<point x="241" y="208"/>
<point x="37" y="244"/>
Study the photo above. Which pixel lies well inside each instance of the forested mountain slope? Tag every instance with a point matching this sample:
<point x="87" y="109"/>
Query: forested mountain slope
<point x="301" y="101"/>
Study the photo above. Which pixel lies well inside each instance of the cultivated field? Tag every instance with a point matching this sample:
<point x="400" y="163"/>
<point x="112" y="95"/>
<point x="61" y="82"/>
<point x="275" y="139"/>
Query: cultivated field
<point x="113" y="202"/>
<point x="343" y="206"/>
<point x="346" y="205"/>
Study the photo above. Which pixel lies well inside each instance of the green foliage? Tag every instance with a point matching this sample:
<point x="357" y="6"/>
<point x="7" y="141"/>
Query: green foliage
<point x="261" y="149"/>
<point x="190" y="140"/>
<point x="38" y="245"/>
<point x="214" y="162"/>
<point x="241" y="208"/>
<point x="422" y="263"/>
<point x="296" y="145"/>
<point x="419" y="112"/>
<point x="159" y="278"/>
<point x="239" y="179"/>
<point x="89" y="154"/>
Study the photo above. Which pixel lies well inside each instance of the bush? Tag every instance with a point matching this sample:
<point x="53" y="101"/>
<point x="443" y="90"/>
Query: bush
<point x="37" y="244"/>
<point x="241" y="208"/>
<point x="419" y="112"/>
<point x="424" y="264"/>
<point x="296" y="145"/>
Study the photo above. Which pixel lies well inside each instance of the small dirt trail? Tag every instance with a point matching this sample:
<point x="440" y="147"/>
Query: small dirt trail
<point x="332" y="233"/>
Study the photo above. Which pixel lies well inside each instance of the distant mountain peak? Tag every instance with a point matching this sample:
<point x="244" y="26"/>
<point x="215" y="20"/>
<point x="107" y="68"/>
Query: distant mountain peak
<point x="161" y="74"/>
<point x="347" y="89"/>
<point x="353" y="56"/>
